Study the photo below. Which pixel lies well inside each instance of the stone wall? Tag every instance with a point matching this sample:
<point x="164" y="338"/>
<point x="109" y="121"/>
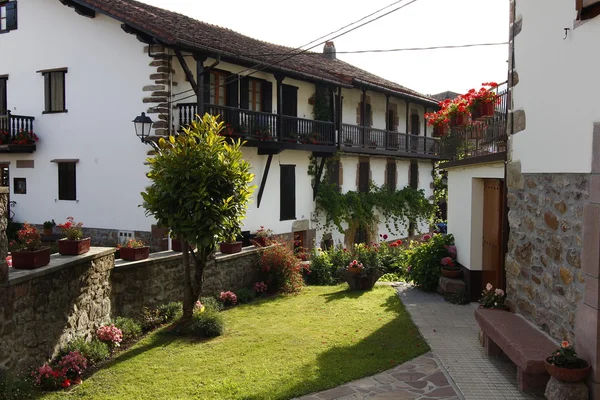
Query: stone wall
<point x="42" y="310"/>
<point x="544" y="279"/>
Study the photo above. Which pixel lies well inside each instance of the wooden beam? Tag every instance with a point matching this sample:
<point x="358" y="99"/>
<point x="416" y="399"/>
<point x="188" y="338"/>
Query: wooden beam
<point x="318" y="178"/>
<point x="186" y="69"/>
<point x="200" y="58"/>
<point x="141" y="36"/>
<point x="80" y="9"/>
<point x="263" y="182"/>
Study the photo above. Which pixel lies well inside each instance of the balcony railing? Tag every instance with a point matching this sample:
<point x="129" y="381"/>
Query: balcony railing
<point x="263" y="126"/>
<point x="485" y="137"/>
<point x="13" y="124"/>
<point x="16" y="133"/>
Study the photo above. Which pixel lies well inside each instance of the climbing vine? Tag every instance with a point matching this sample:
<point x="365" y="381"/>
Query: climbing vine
<point x="322" y="104"/>
<point x="398" y="208"/>
<point x="440" y="192"/>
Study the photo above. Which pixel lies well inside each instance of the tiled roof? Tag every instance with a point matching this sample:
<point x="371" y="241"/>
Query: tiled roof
<point x="447" y="95"/>
<point x="180" y="30"/>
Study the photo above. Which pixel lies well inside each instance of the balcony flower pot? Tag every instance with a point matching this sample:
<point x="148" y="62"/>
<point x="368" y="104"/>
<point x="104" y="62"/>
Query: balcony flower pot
<point x="460" y="120"/>
<point x="31" y="259"/>
<point x="451" y="272"/>
<point x="68" y="247"/>
<point x="134" y="254"/>
<point x="571" y="375"/>
<point x="230" y="248"/>
<point x="483" y="111"/>
<point x="440" y="130"/>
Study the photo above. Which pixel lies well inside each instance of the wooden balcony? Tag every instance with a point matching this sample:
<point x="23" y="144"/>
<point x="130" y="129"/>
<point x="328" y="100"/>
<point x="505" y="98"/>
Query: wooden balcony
<point x="16" y="133"/>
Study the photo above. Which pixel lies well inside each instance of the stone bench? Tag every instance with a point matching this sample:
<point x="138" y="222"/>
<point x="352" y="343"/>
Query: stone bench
<point x="524" y="344"/>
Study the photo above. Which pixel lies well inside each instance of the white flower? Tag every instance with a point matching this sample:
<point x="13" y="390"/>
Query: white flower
<point x="495" y="303"/>
<point x="489" y="287"/>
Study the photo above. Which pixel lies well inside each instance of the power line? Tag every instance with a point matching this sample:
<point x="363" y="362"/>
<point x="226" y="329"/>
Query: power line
<point x="291" y="55"/>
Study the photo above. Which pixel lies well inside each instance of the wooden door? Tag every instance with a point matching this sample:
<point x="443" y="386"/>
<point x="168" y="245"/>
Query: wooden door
<point x="493" y="207"/>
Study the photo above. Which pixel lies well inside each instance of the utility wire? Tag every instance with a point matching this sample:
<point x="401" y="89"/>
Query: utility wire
<point x="302" y="51"/>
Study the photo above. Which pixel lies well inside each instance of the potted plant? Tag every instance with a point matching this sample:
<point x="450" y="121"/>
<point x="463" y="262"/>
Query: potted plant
<point x="482" y="103"/>
<point x="449" y="268"/>
<point x="230" y="245"/>
<point x="27" y="251"/>
<point x="457" y="112"/>
<point x="263" y="237"/>
<point x="23" y="141"/>
<point x="493" y="298"/>
<point x="48" y="225"/>
<point x="355" y="267"/>
<point x="134" y="250"/>
<point x="439" y="120"/>
<point x="565" y="365"/>
<point x="74" y="244"/>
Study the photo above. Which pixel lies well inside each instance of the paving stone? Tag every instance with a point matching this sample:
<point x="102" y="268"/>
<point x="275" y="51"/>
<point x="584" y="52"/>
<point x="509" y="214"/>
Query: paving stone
<point x="384" y="378"/>
<point x="336" y="393"/>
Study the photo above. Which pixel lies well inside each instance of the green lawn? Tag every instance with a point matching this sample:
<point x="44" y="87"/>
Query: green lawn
<point x="276" y="348"/>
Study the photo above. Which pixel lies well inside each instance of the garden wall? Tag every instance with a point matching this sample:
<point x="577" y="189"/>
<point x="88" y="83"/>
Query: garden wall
<point x="42" y="310"/>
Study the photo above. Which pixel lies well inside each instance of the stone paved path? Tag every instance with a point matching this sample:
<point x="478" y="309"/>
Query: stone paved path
<point x="419" y="379"/>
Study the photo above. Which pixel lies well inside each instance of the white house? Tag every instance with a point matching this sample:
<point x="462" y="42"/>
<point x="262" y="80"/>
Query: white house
<point x="99" y="64"/>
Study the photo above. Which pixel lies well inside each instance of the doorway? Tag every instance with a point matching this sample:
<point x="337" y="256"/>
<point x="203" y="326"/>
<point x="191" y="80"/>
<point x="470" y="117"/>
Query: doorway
<point x="493" y="205"/>
<point x="415" y="128"/>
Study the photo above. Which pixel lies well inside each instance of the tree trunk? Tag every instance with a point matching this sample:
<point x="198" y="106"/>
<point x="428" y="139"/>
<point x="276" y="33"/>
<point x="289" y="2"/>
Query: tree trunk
<point x="188" y="295"/>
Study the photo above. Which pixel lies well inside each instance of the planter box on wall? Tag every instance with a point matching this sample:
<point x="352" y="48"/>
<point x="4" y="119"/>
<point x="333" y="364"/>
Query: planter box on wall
<point x="230" y="248"/>
<point x="68" y="247"/>
<point x="131" y="254"/>
<point x="30" y="259"/>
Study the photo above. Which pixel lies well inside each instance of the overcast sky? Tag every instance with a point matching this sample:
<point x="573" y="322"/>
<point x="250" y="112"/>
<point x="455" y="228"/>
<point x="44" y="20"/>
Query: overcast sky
<point x="421" y="24"/>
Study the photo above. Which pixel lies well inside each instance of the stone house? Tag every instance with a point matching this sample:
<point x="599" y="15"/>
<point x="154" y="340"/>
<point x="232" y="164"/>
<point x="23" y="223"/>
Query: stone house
<point x="100" y="64"/>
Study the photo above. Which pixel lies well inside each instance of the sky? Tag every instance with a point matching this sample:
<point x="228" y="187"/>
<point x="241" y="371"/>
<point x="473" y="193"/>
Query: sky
<point x="423" y="23"/>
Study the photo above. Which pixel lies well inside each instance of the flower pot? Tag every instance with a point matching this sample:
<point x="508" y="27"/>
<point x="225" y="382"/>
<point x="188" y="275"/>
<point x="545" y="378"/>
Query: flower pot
<point x="47" y="231"/>
<point x="31" y="259"/>
<point x="503" y="307"/>
<point x="460" y="120"/>
<point x="440" y="130"/>
<point x="355" y="270"/>
<point x="568" y="374"/>
<point x="451" y="273"/>
<point x="260" y="241"/>
<point x="362" y="282"/>
<point x="68" y="247"/>
<point x="176" y="245"/>
<point x="484" y="111"/>
<point x="230" y="248"/>
<point x="131" y="254"/>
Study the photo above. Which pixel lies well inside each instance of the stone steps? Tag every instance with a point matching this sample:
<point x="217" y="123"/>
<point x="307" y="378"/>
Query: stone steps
<point x="450" y="285"/>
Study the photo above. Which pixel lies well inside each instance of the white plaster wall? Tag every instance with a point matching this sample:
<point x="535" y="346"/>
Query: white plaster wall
<point x="465" y="210"/>
<point x="107" y="70"/>
<point x="556" y="88"/>
<point x="425" y="183"/>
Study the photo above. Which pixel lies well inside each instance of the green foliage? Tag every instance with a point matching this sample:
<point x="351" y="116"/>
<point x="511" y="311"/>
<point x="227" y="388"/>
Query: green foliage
<point x="461" y="298"/>
<point x="211" y="304"/>
<point x="15" y="388"/>
<point x="391" y="277"/>
<point x="281" y="269"/>
<point x="440" y="193"/>
<point x="322" y="105"/>
<point x="94" y="350"/>
<point x="131" y="328"/>
<point x="170" y="312"/>
<point x="245" y="295"/>
<point x="207" y="324"/>
<point x="424" y="260"/>
<point x="397" y="208"/>
<point x="12" y="228"/>
<point x="566" y="357"/>
<point x="322" y="270"/>
<point x="151" y="318"/>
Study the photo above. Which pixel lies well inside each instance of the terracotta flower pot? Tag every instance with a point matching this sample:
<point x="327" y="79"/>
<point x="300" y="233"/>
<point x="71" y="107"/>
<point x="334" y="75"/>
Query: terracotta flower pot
<point x="131" y="254"/>
<point x="460" y="120"/>
<point x="485" y="110"/>
<point x="230" y="248"/>
<point x="451" y="273"/>
<point x="68" y="247"/>
<point x="31" y="259"/>
<point x="355" y="270"/>
<point x="568" y="374"/>
<point x="440" y="130"/>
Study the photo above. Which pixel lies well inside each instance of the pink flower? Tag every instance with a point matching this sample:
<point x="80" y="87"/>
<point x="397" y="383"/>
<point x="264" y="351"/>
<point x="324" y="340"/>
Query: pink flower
<point x="229" y="298"/>
<point x="260" y="287"/>
<point x="564" y="344"/>
<point x="499" y="292"/>
<point x="488" y="287"/>
<point x="110" y="334"/>
<point x="426" y="237"/>
<point x="447" y="261"/>
<point x="385" y="237"/>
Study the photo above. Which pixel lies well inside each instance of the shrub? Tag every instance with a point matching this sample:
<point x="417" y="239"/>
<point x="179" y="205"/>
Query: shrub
<point x="131" y="328"/>
<point x="151" y="318"/>
<point x="260" y="288"/>
<point x="245" y="295"/>
<point x="423" y="260"/>
<point x="110" y="334"/>
<point x="228" y="298"/>
<point x="322" y="270"/>
<point x="211" y="304"/>
<point x="15" y="388"/>
<point x="73" y="365"/>
<point x="207" y="324"/>
<point x="390" y="277"/>
<point x="94" y="351"/>
<point x="282" y="270"/>
<point x="170" y="312"/>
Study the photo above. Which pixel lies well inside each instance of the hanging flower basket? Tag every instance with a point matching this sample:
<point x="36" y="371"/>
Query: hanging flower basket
<point x="134" y="254"/>
<point x="68" y="247"/>
<point x="31" y="259"/>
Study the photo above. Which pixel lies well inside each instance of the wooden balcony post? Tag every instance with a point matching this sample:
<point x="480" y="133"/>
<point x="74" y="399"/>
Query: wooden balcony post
<point x="339" y="119"/>
<point x="407" y="124"/>
<point x="200" y="84"/>
<point x="424" y="130"/>
<point x="387" y="120"/>
<point x="279" y="78"/>
<point x="363" y="116"/>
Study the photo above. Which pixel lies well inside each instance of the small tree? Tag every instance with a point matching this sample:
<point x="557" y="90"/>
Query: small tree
<point x="200" y="190"/>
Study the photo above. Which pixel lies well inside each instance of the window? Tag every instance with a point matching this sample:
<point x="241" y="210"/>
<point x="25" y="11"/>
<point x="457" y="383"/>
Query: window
<point x="287" y="190"/>
<point x="587" y="9"/>
<point x="3" y="99"/>
<point x="67" y="181"/>
<point x="54" y="91"/>
<point x="218" y="89"/>
<point x="254" y="97"/>
<point x="390" y="179"/>
<point x="364" y="176"/>
<point x="8" y="16"/>
<point x="333" y="170"/>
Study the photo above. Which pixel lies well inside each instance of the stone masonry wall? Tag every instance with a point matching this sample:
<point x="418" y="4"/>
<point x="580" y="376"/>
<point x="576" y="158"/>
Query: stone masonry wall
<point x="544" y="279"/>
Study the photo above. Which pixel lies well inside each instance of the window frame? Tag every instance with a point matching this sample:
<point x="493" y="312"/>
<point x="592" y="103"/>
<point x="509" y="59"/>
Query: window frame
<point x="586" y="13"/>
<point x="391" y="172"/>
<point x="215" y="88"/>
<point x="47" y="75"/>
<point x="67" y="191"/>
<point x="287" y="192"/>
<point x="254" y="96"/>
<point x="4" y="93"/>
<point x="3" y="6"/>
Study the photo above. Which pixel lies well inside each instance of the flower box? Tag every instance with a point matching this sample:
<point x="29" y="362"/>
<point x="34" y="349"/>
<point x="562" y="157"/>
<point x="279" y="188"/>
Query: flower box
<point x="230" y="248"/>
<point x="571" y="375"/>
<point x="68" y="247"/>
<point x="440" y="130"/>
<point x="485" y="110"/>
<point x="134" y="254"/>
<point x="31" y="259"/>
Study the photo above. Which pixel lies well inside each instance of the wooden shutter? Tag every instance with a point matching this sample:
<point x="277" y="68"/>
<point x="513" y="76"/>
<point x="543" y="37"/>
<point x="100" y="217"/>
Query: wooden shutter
<point x="334" y="174"/>
<point x="206" y="90"/>
<point x="3" y="100"/>
<point x="363" y="176"/>
<point x="66" y="181"/>
<point x="11" y="15"/>
<point x="587" y="9"/>
<point x="369" y="116"/>
<point x="391" y="176"/>
<point x="287" y="197"/>
<point x="231" y="91"/>
<point x="414" y="174"/>
<point x="245" y="93"/>
<point x="267" y="96"/>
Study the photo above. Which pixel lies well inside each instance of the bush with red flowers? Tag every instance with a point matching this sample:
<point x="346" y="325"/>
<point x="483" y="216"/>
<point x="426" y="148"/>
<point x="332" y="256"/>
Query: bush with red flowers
<point x="281" y="269"/>
<point x="228" y="298"/>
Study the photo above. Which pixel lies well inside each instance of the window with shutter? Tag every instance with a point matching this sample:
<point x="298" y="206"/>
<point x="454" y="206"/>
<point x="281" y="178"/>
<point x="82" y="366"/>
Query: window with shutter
<point x="67" y="181"/>
<point x="363" y="176"/>
<point x="287" y="192"/>
<point x="3" y="93"/>
<point x="54" y="91"/>
<point x="8" y="16"/>
<point x="333" y="170"/>
<point x="218" y="92"/>
<point x="255" y="95"/>
<point x="587" y="9"/>
<point x="391" y="176"/>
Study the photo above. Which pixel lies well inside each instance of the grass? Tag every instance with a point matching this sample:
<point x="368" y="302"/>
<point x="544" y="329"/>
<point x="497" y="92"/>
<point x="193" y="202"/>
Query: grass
<point x="275" y="348"/>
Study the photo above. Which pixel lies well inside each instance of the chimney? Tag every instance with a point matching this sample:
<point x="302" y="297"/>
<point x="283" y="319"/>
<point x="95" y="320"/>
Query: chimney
<point x="329" y="50"/>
